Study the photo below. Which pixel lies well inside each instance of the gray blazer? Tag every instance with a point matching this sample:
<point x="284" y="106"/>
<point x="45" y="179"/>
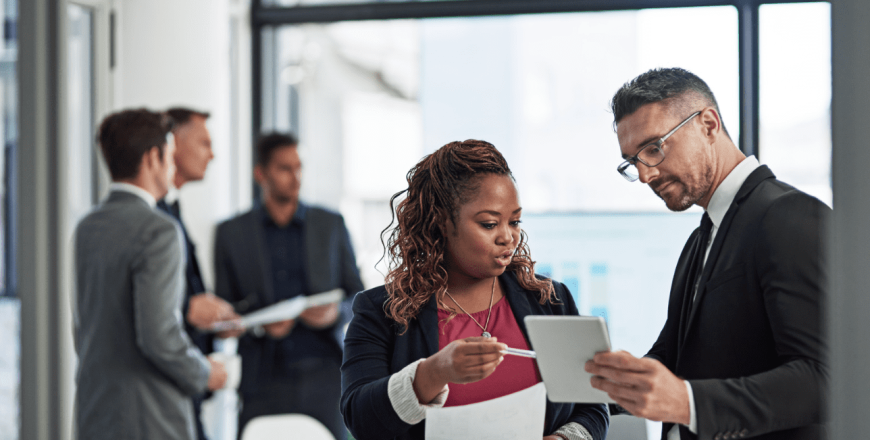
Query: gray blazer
<point x="137" y="366"/>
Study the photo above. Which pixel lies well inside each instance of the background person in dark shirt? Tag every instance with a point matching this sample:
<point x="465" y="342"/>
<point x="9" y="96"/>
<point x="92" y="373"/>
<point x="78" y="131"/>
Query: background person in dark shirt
<point x="278" y="251"/>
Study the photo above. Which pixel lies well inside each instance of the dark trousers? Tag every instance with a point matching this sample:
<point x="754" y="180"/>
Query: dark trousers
<point x="311" y="387"/>
<point x="197" y="410"/>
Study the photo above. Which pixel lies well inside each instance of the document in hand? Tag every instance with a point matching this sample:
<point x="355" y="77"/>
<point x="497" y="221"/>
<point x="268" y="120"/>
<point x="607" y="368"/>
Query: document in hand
<point x="517" y="416"/>
<point x="281" y="311"/>
<point x="562" y="345"/>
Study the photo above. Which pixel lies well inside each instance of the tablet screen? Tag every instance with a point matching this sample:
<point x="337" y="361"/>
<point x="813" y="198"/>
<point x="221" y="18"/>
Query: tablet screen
<point x="563" y="344"/>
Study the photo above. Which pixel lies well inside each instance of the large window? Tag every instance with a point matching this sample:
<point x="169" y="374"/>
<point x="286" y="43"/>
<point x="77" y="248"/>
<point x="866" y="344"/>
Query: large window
<point x="795" y="90"/>
<point x="369" y="98"/>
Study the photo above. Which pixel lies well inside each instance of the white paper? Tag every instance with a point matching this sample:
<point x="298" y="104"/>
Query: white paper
<point x="517" y="416"/>
<point x="281" y="311"/>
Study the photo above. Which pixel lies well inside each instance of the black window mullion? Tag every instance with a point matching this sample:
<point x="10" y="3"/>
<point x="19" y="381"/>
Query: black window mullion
<point x="747" y="24"/>
<point x="256" y="87"/>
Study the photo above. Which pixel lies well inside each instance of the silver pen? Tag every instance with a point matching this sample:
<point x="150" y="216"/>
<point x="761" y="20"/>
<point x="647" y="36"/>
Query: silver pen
<point x="518" y="352"/>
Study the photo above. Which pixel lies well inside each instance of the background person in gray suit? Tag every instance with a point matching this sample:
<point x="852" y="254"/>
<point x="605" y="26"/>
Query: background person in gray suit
<point x="137" y="368"/>
<point x="278" y="251"/>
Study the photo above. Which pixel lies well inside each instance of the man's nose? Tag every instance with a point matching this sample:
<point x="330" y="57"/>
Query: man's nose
<point x="645" y="173"/>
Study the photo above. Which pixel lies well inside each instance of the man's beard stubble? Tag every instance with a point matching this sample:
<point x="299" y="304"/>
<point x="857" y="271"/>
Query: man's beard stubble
<point x="689" y="196"/>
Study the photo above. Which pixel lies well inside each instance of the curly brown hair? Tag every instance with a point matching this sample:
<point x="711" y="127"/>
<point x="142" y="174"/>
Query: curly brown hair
<point x="437" y="186"/>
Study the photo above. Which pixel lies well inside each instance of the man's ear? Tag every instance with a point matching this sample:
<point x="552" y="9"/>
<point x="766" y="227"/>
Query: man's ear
<point x="711" y="121"/>
<point x="150" y="160"/>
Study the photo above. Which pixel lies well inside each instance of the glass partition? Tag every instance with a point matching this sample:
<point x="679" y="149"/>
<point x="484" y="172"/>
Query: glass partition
<point x="10" y="309"/>
<point x="370" y="98"/>
<point x="795" y="94"/>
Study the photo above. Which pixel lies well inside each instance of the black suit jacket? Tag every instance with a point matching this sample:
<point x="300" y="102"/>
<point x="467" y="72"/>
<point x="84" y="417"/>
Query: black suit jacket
<point x="375" y="350"/>
<point x="194" y="284"/>
<point x="243" y="276"/>
<point x="752" y="346"/>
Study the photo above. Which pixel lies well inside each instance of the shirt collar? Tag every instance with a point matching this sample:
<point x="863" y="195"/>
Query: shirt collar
<point x="727" y="190"/>
<point x="171" y="196"/>
<point x="135" y="190"/>
<point x="298" y="216"/>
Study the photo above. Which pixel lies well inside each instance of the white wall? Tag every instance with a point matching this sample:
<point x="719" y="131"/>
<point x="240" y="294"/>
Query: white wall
<point x="173" y="52"/>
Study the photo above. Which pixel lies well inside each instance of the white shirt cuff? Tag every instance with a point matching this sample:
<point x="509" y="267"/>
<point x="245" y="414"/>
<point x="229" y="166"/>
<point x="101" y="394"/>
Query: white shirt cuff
<point x="400" y="390"/>
<point x="693" y="418"/>
<point x="574" y="431"/>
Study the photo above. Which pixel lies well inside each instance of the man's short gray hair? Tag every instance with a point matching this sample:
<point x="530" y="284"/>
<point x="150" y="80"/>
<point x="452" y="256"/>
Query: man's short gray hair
<point x="663" y="84"/>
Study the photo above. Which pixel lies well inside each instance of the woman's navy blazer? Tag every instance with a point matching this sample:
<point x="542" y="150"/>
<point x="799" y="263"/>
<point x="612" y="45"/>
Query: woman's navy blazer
<point x="374" y="350"/>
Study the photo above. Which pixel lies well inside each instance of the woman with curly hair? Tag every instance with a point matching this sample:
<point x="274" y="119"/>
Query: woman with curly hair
<point x="460" y="282"/>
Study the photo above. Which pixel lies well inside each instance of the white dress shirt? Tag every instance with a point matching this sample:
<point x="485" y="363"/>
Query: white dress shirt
<point x="716" y="209"/>
<point x="135" y="190"/>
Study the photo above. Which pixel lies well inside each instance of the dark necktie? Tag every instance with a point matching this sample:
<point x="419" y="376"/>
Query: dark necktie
<point x="696" y="266"/>
<point x="175" y="210"/>
<point x="171" y="209"/>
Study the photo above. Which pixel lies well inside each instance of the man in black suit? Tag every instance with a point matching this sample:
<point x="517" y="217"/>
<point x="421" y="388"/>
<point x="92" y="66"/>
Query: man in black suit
<point x="741" y="354"/>
<point x="200" y="308"/>
<point x="279" y="251"/>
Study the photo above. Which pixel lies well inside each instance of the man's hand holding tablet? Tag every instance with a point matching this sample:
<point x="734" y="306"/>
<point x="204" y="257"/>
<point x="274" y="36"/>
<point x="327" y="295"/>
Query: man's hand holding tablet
<point x="562" y="345"/>
<point x="643" y="386"/>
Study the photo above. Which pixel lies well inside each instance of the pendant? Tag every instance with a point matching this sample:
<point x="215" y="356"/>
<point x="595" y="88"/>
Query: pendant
<point x="486" y="335"/>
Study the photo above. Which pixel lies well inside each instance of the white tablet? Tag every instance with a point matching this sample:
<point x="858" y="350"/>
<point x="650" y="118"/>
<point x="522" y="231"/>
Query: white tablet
<point x="563" y="344"/>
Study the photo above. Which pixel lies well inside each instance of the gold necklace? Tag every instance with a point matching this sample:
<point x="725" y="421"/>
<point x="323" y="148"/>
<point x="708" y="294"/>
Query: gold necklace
<point x="485" y="333"/>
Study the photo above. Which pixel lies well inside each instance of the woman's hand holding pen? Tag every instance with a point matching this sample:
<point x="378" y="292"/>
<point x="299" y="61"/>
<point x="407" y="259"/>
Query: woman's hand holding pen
<point x="462" y="361"/>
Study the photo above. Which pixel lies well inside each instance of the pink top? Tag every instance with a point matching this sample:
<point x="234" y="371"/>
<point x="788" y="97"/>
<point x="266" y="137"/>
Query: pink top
<point x="514" y="374"/>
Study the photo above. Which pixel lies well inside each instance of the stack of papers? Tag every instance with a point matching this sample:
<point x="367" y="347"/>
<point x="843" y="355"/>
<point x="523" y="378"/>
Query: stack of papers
<point x="281" y="311"/>
<point x="516" y="416"/>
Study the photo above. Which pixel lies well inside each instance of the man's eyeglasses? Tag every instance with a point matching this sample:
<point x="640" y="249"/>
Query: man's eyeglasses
<point x="650" y="155"/>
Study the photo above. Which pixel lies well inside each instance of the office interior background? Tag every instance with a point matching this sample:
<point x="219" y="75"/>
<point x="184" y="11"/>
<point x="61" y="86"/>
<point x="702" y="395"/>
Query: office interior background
<point x="371" y="87"/>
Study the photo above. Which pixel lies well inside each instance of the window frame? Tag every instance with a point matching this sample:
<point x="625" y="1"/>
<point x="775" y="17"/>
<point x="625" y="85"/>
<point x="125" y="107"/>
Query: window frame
<point x="263" y="16"/>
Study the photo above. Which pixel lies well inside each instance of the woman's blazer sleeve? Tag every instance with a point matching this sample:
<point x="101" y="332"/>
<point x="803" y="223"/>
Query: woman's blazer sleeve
<point x="365" y="373"/>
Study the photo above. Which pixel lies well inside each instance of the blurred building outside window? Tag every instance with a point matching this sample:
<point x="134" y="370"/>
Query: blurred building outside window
<point x="795" y="95"/>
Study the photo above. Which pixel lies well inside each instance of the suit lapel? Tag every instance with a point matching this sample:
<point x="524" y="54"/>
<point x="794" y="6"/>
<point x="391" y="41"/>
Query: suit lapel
<point x="313" y="242"/>
<point x="428" y="321"/>
<point x="517" y="299"/>
<point x="755" y="178"/>
<point x="261" y="258"/>
<point x="687" y="288"/>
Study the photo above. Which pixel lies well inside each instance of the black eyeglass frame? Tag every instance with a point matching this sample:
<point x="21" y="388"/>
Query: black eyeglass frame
<point x="633" y="160"/>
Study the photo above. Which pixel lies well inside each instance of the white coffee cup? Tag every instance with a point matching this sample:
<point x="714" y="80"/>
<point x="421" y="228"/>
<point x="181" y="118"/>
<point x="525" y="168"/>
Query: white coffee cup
<point x="233" y="365"/>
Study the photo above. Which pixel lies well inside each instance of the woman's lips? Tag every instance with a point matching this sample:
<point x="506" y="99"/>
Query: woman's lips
<point x="505" y="258"/>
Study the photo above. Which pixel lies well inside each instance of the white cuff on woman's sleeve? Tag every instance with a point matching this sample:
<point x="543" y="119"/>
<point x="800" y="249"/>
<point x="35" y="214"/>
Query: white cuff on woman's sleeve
<point x="400" y="390"/>
<point x="574" y="431"/>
